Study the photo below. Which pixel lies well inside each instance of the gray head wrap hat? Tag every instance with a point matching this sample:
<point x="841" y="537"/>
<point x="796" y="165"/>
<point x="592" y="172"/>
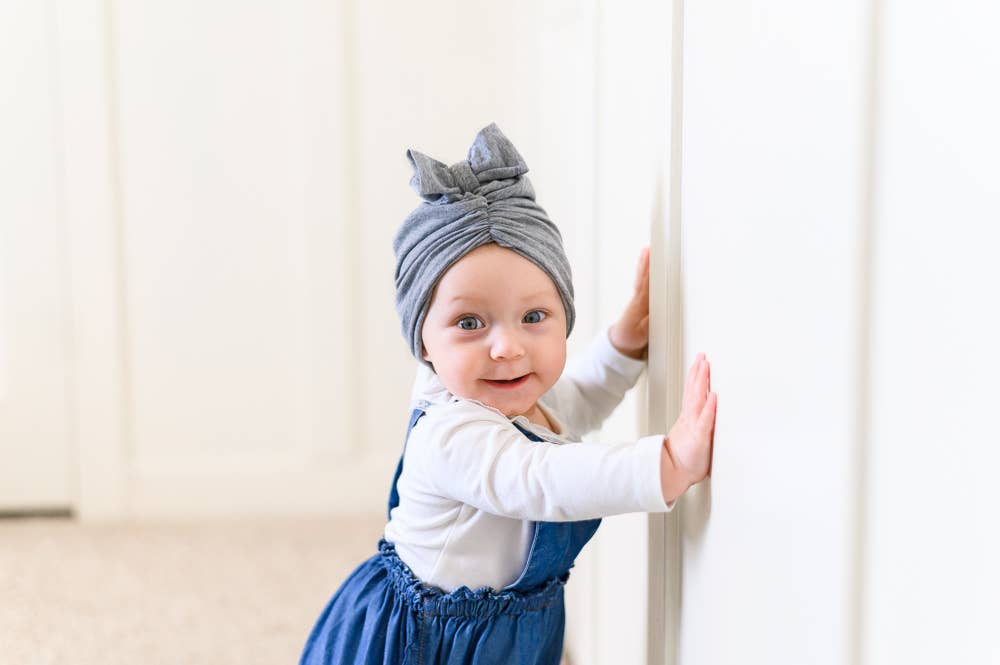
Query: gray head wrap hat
<point x="485" y="198"/>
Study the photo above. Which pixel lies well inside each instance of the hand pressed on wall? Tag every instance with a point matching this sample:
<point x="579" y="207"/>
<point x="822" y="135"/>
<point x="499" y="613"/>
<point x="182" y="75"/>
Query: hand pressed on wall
<point x="630" y="334"/>
<point x="687" y="457"/>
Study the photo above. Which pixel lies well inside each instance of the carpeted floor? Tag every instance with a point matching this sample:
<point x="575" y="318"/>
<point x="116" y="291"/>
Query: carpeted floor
<point x="218" y="593"/>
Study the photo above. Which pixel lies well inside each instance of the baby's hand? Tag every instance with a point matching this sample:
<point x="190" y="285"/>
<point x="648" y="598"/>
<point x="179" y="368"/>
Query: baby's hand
<point x="688" y="446"/>
<point x="630" y="334"/>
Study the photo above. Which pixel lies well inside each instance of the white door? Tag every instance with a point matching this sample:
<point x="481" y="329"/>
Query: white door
<point x="35" y="428"/>
<point x="220" y="259"/>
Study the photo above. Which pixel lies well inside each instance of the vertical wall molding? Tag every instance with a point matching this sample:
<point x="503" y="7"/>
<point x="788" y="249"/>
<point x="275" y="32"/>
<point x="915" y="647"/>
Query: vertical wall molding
<point x="95" y="280"/>
<point x="665" y="530"/>
<point x="863" y="365"/>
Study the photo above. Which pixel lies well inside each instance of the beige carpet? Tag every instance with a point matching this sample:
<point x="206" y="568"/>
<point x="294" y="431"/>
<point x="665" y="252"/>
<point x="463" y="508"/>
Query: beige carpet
<point x="219" y="593"/>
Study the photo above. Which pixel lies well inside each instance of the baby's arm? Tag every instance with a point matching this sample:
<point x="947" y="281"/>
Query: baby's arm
<point x="466" y="453"/>
<point x="473" y="455"/>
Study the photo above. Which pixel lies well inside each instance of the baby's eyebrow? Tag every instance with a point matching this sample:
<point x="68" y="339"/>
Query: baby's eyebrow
<point x="468" y="299"/>
<point x="476" y="300"/>
<point x="538" y="295"/>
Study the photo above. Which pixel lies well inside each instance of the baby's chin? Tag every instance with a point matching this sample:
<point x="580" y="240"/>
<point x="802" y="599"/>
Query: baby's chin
<point x="514" y="405"/>
<point x="512" y="412"/>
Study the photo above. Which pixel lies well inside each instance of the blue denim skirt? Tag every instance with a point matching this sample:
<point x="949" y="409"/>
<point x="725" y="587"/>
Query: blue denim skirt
<point x="383" y="613"/>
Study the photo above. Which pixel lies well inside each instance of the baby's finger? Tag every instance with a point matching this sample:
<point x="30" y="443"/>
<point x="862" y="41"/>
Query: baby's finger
<point x="706" y="421"/>
<point x="639" y="304"/>
<point x="699" y="391"/>
<point x="689" y="383"/>
<point x="642" y="271"/>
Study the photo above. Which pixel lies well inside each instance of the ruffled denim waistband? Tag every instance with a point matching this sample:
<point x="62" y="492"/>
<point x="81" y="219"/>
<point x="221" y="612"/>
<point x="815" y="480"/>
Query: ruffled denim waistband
<point x="463" y="602"/>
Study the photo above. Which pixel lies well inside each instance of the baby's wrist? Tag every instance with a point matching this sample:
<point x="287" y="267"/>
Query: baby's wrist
<point x="636" y="353"/>
<point x="673" y="480"/>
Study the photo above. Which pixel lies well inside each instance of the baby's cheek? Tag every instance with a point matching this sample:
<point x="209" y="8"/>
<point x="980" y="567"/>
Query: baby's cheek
<point x="553" y="369"/>
<point x="465" y="370"/>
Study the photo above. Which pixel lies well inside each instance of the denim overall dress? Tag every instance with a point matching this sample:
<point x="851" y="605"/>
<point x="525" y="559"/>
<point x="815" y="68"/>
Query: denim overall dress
<point x="384" y="614"/>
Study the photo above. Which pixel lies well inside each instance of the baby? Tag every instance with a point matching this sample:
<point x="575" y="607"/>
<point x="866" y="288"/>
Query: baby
<point x="495" y="494"/>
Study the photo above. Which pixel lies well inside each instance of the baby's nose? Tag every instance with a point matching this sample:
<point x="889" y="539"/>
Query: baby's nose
<point x="506" y="345"/>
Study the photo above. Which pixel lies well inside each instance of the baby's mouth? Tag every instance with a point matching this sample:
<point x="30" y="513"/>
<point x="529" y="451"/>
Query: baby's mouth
<point x="509" y="383"/>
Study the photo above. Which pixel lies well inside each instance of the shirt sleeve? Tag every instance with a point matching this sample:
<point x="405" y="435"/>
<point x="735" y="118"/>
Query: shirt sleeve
<point x="593" y="384"/>
<point x="486" y="462"/>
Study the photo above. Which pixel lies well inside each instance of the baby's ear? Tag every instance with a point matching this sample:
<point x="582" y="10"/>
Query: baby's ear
<point x="426" y="357"/>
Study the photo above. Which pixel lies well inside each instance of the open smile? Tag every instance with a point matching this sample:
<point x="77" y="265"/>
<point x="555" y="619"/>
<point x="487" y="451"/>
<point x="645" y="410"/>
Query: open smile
<point x="508" y="384"/>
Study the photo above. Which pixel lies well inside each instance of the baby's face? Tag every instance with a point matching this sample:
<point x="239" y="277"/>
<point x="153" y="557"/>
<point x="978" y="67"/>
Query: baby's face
<point x="495" y="315"/>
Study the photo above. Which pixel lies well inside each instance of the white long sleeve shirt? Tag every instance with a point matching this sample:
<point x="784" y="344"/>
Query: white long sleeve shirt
<point x="472" y="483"/>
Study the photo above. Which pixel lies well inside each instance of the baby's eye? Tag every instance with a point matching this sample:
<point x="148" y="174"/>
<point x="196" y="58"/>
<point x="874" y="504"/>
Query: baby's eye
<point x="469" y="323"/>
<point x="534" y="316"/>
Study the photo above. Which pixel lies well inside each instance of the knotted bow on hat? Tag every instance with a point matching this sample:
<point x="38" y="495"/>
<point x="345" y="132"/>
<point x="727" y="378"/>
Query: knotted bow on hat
<point x="485" y="198"/>
<point x="491" y="157"/>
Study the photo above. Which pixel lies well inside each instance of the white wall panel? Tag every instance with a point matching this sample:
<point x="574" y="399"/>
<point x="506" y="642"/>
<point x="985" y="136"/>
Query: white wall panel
<point x="209" y="206"/>
<point x="216" y="230"/>
<point x="239" y="242"/>
<point x="35" y="427"/>
<point x="772" y="217"/>
<point x="932" y="584"/>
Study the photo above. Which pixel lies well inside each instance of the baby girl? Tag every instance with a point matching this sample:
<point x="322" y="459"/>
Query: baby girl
<point x="495" y="494"/>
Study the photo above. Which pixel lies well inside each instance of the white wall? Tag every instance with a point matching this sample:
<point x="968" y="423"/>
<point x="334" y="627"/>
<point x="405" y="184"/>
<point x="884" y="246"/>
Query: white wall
<point x="838" y="210"/>
<point x="35" y="424"/>
<point x="772" y="213"/>
<point x="931" y="585"/>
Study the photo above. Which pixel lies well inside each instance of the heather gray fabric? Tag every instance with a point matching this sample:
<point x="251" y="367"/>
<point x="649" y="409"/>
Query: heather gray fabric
<point x="485" y="198"/>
